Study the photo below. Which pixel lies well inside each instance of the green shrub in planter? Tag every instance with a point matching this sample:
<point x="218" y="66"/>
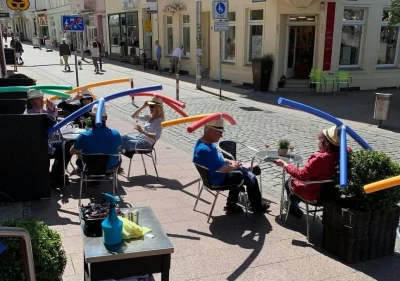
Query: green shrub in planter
<point x="48" y="253"/>
<point x="368" y="166"/>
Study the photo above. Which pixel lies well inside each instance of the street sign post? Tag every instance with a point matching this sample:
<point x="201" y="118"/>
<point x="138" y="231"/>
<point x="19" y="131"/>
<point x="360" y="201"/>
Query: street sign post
<point x="220" y="16"/>
<point x="73" y="23"/>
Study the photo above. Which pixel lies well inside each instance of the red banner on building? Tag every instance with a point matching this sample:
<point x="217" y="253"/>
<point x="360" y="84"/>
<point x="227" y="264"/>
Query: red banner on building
<point x="330" y="24"/>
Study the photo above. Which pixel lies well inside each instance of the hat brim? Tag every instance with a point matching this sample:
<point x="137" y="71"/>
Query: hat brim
<point x="154" y="103"/>
<point x="221" y="129"/>
<point x="87" y="96"/>
<point x="30" y="98"/>
<point x="332" y="141"/>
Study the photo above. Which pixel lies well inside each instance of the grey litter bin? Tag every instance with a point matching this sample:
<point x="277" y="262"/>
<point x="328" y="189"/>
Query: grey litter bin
<point x="382" y="107"/>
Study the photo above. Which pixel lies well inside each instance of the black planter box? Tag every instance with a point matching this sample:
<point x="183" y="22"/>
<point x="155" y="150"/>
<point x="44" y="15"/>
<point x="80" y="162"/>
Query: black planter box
<point x="355" y="236"/>
<point x="262" y="72"/>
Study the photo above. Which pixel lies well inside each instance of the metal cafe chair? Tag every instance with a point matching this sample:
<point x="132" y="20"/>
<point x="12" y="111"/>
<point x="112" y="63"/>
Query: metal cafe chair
<point x="215" y="190"/>
<point x="95" y="169"/>
<point x="316" y="203"/>
<point x="147" y="152"/>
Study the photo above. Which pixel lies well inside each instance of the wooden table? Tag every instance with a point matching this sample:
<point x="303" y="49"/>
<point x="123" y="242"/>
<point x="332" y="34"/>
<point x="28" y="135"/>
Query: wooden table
<point x="133" y="257"/>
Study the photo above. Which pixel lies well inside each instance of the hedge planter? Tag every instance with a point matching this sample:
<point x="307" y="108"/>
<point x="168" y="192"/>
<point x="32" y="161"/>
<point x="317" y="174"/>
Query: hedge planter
<point x="355" y="236"/>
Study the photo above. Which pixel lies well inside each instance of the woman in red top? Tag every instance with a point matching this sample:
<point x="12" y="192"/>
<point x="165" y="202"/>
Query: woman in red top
<point x="320" y="166"/>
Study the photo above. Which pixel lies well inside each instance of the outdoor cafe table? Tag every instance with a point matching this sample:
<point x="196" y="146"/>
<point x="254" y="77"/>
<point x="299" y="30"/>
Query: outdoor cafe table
<point x="271" y="156"/>
<point x="134" y="257"/>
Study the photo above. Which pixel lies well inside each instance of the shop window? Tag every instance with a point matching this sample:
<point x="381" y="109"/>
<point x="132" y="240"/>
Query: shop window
<point x="352" y="35"/>
<point x="170" y="35"/>
<point x="132" y="33"/>
<point x="186" y="35"/>
<point x="230" y="39"/>
<point x="255" y="34"/>
<point x="115" y="33"/>
<point x="388" y="42"/>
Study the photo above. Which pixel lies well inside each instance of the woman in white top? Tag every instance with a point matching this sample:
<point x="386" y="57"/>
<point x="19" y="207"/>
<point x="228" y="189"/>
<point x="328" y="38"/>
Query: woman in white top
<point x="152" y="129"/>
<point x="95" y="56"/>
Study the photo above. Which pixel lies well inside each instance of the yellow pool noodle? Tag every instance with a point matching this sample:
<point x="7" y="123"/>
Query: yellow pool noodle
<point x="183" y="120"/>
<point x="381" y="185"/>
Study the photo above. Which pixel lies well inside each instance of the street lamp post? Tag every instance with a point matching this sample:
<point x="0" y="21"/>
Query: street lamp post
<point x="199" y="40"/>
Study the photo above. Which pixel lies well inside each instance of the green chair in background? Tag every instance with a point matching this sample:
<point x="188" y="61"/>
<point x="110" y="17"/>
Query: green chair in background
<point x="343" y="78"/>
<point x="316" y="79"/>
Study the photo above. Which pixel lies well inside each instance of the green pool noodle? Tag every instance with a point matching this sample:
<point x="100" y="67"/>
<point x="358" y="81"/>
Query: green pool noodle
<point x="56" y="93"/>
<point x="51" y="87"/>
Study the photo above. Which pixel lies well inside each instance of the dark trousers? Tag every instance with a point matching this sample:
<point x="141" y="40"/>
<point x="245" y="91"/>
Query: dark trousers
<point x="100" y="63"/>
<point x="57" y="170"/>
<point x="294" y="200"/>
<point x="250" y="181"/>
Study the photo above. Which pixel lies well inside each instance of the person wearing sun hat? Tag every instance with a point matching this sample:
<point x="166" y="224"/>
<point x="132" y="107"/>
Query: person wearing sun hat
<point x="71" y="105"/>
<point x="101" y="140"/>
<point x="320" y="166"/>
<point x="151" y="131"/>
<point x="220" y="170"/>
<point x="35" y="105"/>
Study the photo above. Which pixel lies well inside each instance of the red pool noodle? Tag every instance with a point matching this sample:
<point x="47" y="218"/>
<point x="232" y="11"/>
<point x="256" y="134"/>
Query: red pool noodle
<point x="209" y="118"/>
<point x="174" y="107"/>
<point x="163" y="97"/>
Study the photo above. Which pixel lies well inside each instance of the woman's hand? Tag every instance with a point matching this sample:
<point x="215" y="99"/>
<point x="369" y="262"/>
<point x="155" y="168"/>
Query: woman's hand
<point x="78" y="96"/>
<point x="280" y="163"/>
<point x="146" y="103"/>
<point x="139" y="128"/>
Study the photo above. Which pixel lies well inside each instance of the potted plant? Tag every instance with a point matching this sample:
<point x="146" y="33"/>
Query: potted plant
<point x="362" y="226"/>
<point x="262" y="71"/>
<point x="283" y="146"/>
<point x="48" y="253"/>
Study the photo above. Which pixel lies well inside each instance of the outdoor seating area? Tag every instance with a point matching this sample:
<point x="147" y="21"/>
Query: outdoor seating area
<point x="330" y="83"/>
<point x="168" y="227"/>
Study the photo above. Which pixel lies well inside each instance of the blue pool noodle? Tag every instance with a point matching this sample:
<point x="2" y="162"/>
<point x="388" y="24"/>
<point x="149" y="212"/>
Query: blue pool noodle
<point x="89" y="106"/>
<point x="343" y="157"/>
<point x="99" y="113"/>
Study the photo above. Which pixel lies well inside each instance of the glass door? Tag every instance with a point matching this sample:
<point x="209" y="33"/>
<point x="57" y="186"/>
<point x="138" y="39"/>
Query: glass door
<point x="291" y="51"/>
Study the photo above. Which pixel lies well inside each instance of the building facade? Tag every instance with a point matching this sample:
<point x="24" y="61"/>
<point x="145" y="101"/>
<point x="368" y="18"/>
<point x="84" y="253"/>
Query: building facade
<point x="300" y="34"/>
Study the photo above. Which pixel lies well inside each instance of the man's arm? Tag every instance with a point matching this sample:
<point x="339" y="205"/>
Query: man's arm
<point x="77" y="147"/>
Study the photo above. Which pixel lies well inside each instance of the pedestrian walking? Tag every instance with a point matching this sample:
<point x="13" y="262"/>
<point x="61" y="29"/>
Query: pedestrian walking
<point x="158" y="55"/>
<point x="18" y="52"/>
<point x="175" y="60"/>
<point x="65" y="53"/>
<point x="100" y="60"/>
<point x="95" y="56"/>
<point x="12" y="42"/>
<point x="5" y="36"/>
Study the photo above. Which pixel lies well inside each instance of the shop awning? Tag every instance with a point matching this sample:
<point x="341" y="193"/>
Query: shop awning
<point x="300" y="3"/>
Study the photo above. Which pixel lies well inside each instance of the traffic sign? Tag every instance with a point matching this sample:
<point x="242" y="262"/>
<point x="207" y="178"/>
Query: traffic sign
<point x="221" y="25"/>
<point x="220" y="9"/>
<point x="72" y="23"/>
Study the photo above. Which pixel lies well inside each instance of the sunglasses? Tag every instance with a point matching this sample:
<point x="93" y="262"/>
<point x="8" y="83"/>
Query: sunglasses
<point x="152" y="106"/>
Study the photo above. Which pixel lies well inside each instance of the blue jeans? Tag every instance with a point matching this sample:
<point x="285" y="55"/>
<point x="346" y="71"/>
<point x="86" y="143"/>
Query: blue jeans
<point x="132" y="142"/>
<point x="294" y="200"/>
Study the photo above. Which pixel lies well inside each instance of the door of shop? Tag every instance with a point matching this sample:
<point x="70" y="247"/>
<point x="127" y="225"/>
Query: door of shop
<point x="300" y="55"/>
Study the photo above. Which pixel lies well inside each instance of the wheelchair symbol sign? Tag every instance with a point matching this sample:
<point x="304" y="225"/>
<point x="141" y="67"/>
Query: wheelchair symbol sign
<point x="220" y="10"/>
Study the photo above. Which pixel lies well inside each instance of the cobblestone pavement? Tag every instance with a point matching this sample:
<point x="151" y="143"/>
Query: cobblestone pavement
<point x="255" y="125"/>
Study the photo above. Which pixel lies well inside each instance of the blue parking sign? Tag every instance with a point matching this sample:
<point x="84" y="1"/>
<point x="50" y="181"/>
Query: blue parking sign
<point x="220" y="9"/>
<point x="73" y="23"/>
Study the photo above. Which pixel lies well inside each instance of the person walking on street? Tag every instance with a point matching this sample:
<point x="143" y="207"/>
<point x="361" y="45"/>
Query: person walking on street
<point x="95" y="56"/>
<point x="158" y="55"/>
<point x="5" y="36"/>
<point x="18" y="51"/>
<point x="100" y="60"/>
<point x="12" y="42"/>
<point x="65" y="53"/>
<point x="175" y="60"/>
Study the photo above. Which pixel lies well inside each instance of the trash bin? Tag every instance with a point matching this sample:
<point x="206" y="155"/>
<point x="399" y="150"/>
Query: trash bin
<point x="382" y="106"/>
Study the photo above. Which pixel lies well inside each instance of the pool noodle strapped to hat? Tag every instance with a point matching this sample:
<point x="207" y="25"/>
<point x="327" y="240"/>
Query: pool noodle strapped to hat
<point x="209" y="118"/>
<point x="163" y="97"/>
<point x="337" y="122"/>
<point x="87" y="107"/>
<point x="99" y="84"/>
<point x="36" y="87"/>
<point x="182" y="120"/>
<point x="58" y="94"/>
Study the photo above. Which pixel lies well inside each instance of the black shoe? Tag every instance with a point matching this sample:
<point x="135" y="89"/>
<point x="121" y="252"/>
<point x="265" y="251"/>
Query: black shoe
<point x="264" y="207"/>
<point x="296" y="212"/>
<point x="95" y="184"/>
<point x="232" y="208"/>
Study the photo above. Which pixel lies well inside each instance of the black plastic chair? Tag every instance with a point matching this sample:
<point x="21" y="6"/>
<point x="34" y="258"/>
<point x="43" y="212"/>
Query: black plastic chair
<point x="203" y="171"/>
<point x="141" y="152"/>
<point x="95" y="169"/>
<point x="327" y="189"/>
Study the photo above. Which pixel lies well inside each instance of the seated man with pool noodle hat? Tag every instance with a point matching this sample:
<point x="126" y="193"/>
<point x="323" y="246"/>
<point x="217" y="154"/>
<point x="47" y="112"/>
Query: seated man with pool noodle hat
<point x="220" y="170"/>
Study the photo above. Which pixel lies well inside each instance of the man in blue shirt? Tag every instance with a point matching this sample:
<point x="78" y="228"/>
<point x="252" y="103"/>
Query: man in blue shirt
<point x="220" y="170"/>
<point x="101" y="140"/>
<point x="158" y="55"/>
